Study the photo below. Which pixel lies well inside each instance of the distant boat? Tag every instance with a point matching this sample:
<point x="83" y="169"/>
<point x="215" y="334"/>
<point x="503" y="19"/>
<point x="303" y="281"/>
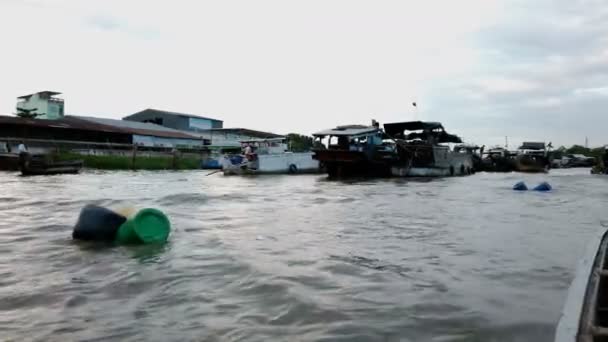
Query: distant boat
<point x="35" y="165"/>
<point x="532" y="157"/>
<point x="498" y="159"/>
<point x="584" y="316"/>
<point x="269" y="156"/>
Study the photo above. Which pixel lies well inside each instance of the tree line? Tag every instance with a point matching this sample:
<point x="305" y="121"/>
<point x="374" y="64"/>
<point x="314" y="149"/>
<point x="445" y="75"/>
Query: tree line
<point x="561" y="151"/>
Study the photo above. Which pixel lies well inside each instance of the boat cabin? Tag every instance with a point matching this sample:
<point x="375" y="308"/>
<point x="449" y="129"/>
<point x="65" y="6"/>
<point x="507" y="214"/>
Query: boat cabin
<point x="354" y="150"/>
<point x="533" y="148"/>
<point x="350" y="137"/>
<point x="266" y="146"/>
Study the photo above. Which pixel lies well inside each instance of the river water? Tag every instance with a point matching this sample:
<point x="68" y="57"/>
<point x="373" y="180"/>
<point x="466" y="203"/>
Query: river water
<point x="296" y="258"/>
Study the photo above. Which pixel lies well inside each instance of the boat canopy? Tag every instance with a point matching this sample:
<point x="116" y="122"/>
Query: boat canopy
<point x="398" y="129"/>
<point x="349" y="130"/>
<point x="466" y="147"/>
<point x="527" y="145"/>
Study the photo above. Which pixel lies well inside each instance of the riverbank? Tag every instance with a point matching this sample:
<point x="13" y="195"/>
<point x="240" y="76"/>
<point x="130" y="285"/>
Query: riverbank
<point x="137" y="162"/>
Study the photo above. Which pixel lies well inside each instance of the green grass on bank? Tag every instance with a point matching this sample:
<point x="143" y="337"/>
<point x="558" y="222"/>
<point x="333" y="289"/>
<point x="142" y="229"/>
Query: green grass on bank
<point x="114" y="162"/>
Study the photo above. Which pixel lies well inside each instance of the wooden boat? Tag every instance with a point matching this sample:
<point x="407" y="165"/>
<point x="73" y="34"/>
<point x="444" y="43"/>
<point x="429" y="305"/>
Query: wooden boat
<point x="9" y="162"/>
<point x="497" y="159"/>
<point x="354" y="150"/>
<point x="33" y="165"/>
<point x="584" y="316"/>
<point x="532" y="157"/>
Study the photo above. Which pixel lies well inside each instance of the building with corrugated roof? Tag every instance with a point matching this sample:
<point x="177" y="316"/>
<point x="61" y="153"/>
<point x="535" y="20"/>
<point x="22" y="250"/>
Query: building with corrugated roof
<point x="209" y="128"/>
<point x="90" y="131"/>
<point x="180" y="121"/>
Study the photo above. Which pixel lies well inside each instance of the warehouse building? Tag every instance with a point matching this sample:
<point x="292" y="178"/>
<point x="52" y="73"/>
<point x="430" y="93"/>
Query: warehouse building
<point x="78" y="131"/>
<point x="210" y="129"/>
<point x="174" y="120"/>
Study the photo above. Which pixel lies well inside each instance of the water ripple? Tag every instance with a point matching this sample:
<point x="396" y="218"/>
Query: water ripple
<point x="296" y="258"/>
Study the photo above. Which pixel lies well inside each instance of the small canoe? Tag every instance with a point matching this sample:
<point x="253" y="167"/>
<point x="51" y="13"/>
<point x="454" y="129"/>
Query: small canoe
<point x="584" y="317"/>
<point x="9" y="162"/>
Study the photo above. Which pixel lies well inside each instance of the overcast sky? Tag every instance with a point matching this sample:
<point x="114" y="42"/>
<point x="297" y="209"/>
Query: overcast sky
<point x="527" y="69"/>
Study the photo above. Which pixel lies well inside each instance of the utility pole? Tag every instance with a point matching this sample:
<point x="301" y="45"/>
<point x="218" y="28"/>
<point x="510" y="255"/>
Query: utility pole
<point x="506" y="142"/>
<point x="586" y="142"/>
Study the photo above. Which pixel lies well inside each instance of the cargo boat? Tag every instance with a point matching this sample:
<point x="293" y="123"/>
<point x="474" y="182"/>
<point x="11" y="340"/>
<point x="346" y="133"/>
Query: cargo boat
<point x="423" y="151"/>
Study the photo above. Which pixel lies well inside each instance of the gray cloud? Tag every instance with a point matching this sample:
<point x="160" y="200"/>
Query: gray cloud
<point x="544" y="75"/>
<point x="110" y="23"/>
<point x="105" y="22"/>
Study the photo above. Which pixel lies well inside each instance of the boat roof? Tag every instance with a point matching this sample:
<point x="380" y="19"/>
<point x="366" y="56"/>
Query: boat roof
<point x="528" y="145"/>
<point x="468" y="146"/>
<point x="348" y="130"/>
<point x="398" y="127"/>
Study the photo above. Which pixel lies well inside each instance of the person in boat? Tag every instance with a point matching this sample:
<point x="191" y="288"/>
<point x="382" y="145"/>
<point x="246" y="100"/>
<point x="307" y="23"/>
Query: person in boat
<point x="248" y="152"/>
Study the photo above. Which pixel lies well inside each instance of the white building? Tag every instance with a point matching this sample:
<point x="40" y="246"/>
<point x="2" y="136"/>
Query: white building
<point x="43" y="103"/>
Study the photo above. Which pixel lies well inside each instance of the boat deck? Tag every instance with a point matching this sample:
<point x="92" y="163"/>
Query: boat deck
<point x="585" y="316"/>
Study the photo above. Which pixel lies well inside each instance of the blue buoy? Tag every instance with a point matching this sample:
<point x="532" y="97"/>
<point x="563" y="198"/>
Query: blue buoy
<point x="544" y="186"/>
<point x="520" y="186"/>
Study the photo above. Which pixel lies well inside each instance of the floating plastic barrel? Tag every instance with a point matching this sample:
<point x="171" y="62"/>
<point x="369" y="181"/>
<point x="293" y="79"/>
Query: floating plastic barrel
<point x="147" y="226"/>
<point x="520" y="186"/>
<point x="544" y="186"/>
<point x="96" y="223"/>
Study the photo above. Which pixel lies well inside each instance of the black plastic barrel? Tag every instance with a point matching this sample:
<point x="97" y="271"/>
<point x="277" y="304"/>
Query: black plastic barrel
<point x="96" y="223"/>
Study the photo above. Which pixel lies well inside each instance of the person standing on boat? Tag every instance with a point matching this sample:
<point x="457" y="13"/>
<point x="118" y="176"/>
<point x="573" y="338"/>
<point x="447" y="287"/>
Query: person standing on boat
<point x="248" y="152"/>
<point x="23" y="154"/>
<point x="22" y="148"/>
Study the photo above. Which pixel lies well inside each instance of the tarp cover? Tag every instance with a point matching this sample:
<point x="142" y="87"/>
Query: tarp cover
<point x="399" y="127"/>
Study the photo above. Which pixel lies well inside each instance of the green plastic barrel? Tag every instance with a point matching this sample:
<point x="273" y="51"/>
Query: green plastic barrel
<point x="147" y="226"/>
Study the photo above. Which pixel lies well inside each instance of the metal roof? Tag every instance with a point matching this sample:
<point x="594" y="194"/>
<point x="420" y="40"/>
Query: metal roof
<point x="47" y="92"/>
<point x="262" y="140"/>
<point x="99" y="125"/>
<point x="348" y="130"/>
<point x="529" y="145"/>
<point x="140" y="128"/>
<point x="166" y="112"/>
<point x="243" y="131"/>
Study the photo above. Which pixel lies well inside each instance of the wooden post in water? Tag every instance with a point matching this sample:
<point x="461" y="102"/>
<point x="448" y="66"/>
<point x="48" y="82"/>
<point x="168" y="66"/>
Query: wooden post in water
<point x="174" y="163"/>
<point x="133" y="155"/>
